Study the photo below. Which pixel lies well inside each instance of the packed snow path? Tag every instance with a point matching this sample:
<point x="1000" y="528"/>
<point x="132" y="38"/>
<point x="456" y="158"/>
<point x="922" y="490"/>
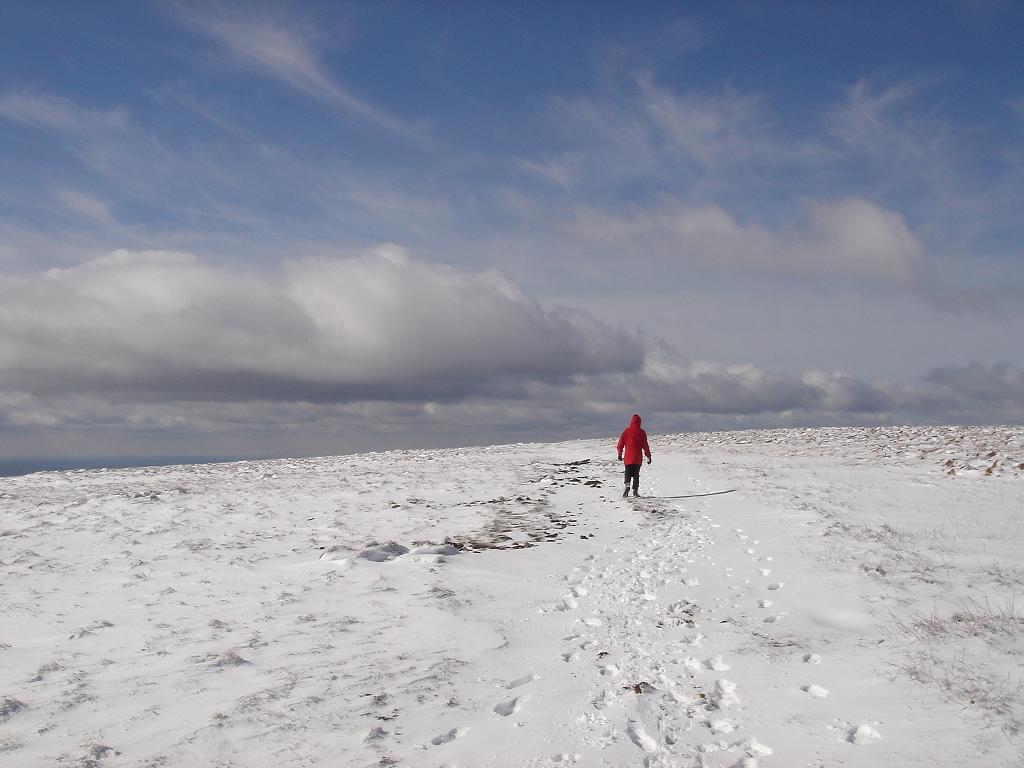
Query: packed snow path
<point x="850" y="603"/>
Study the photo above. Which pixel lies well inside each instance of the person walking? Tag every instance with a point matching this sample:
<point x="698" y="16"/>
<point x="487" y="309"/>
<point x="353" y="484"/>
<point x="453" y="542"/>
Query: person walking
<point x="632" y="448"/>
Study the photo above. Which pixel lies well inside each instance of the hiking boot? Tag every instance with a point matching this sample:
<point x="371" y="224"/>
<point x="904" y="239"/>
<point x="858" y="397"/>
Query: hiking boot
<point x="625" y="493"/>
<point x="636" y="492"/>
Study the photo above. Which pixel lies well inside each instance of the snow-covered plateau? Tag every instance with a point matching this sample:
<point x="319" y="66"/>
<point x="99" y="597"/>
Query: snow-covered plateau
<point x="853" y="599"/>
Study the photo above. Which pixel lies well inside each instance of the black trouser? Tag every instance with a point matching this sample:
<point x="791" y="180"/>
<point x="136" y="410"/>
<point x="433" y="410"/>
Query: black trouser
<point x="633" y="471"/>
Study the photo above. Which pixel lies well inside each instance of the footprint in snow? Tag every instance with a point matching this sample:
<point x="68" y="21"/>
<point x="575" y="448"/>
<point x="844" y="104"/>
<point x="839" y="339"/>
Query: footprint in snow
<point x="452" y="735"/>
<point x="337" y="558"/>
<point x="812" y="658"/>
<point x="716" y="663"/>
<point x="754" y="748"/>
<point x="724" y="694"/>
<point x="382" y="553"/>
<point x="776" y="585"/>
<point x="691" y="664"/>
<point x="510" y="707"/>
<point x="640" y="737"/>
<point x="815" y="691"/>
<point x="604" y="699"/>
<point x="566" y="758"/>
<point x="721" y="725"/>
<point x="863" y="734"/>
<point x="519" y="681"/>
<point x="764" y="603"/>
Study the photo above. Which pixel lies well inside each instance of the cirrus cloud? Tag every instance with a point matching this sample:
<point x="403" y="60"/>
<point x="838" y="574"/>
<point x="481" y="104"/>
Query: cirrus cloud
<point x="277" y="47"/>
<point x="59" y="114"/>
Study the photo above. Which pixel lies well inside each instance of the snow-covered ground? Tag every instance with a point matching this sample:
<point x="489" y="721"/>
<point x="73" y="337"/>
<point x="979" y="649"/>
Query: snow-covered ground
<point x="853" y="600"/>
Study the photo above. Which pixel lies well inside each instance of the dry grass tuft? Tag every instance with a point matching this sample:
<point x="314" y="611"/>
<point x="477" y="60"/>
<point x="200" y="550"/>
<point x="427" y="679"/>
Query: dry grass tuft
<point x="966" y="684"/>
<point x="970" y="619"/>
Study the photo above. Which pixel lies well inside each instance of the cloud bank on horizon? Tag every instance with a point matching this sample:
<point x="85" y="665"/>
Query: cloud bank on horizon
<point x="308" y="228"/>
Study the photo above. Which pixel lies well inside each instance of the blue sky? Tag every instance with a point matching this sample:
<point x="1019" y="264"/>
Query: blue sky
<point x="300" y="228"/>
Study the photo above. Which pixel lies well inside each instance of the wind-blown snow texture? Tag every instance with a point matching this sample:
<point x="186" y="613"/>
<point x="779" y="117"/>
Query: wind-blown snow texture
<point x="852" y="602"/>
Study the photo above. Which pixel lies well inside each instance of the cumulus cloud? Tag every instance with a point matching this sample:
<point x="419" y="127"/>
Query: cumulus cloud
<point x="159" y="339"/>
<point x="377" y="326"/>
<point x="1001" y="384"/>
<point x="299" y="363"/>
<point x="850" y="237"/>
<point x="678" y="388"/>
<point x="704" y="394"/>
<point x="706" y="387"/>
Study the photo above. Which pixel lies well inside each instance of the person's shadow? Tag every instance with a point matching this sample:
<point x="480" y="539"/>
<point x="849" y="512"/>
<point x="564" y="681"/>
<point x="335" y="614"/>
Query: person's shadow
<point x="697" y="495"/>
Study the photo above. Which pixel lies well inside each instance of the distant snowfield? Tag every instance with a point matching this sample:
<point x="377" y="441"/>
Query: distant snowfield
<point x="855" y="600"/>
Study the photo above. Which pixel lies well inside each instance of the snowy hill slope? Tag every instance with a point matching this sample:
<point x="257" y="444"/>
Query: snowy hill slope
<point x="852" y="601"/>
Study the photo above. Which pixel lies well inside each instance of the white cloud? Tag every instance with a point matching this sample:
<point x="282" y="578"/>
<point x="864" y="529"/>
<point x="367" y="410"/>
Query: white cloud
<point x="640" y="128"/>
<point x="195" y="360"/>
<point x="851" y="237"/>
<point x="85" y="205"/>
<point x="378" y="326"/>
<point x="712" y="176"/>
<point x="877" y="120"/>
<point x="910" y="150"/>
<point x="612" y="141"/>
<point x="679" y="36"/>
<point x="206" y="191"/>
<point x="857" y="237"/>
<point x="59" y="114"/>
<point x="560" y="171"/>
<point x="726" y="128"/>
<point x="126" y="160"/>
<point x="717" y="395"/>
<point x="280" y="49"/>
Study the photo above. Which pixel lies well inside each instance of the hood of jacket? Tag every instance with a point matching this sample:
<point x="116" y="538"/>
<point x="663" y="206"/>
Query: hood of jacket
<point x="635" y="421"/>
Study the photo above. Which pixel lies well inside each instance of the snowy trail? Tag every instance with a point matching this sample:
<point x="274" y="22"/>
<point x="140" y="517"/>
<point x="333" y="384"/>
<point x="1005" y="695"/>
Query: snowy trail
<point x="705" y="639"/>
<point x="310" y="612"/>
<point x="678" y="624"/>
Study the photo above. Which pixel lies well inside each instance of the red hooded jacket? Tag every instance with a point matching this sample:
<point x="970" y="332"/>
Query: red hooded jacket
<point x="634" y="441"/>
